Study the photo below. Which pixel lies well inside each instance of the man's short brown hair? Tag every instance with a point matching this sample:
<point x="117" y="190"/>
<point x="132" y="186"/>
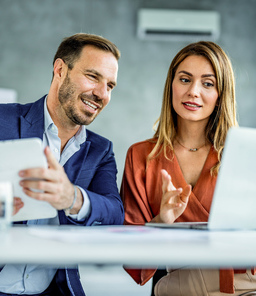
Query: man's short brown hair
<point x="71" y="47"/>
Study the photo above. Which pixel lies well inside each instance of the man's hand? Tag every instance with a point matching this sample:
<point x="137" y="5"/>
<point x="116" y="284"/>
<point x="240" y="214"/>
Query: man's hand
<point x="174" y="201"/>
<point x="50" y="184"/>
<point x="17" y="205"/>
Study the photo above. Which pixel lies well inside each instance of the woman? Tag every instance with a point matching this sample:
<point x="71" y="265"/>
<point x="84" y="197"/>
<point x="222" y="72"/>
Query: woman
<point x="171" y="177"/>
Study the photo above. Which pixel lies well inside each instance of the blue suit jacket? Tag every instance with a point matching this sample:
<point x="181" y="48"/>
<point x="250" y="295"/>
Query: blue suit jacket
<point x="93" y="168"/>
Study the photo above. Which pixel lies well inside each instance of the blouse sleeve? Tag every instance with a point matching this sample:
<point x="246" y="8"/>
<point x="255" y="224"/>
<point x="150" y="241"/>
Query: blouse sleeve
<point x="137" y="210"/>
<point x="133" y="189"/>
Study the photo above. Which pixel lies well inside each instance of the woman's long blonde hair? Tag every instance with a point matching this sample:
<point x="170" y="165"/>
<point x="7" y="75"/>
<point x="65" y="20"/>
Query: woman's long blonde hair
<point x="223" y="116"/>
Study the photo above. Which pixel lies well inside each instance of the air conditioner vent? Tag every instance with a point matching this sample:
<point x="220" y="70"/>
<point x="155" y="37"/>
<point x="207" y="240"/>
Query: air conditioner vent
<point x="182" y="33"/>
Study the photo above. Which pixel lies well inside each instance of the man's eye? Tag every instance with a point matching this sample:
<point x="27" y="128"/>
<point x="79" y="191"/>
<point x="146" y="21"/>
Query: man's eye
<point x="91" y="76"/>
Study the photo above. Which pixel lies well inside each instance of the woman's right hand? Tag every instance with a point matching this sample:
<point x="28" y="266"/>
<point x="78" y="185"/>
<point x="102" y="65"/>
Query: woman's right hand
<point x="174" y="201"/>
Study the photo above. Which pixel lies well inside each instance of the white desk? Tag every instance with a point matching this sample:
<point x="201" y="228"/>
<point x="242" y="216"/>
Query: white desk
<point x="133" y="246"/>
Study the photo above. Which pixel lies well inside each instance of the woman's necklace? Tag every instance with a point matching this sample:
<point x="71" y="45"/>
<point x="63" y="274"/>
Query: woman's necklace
<point x="190" y="149"/>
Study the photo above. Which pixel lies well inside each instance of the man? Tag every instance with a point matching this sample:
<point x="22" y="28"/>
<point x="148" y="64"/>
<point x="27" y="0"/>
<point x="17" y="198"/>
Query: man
<point x="80" y="181"/>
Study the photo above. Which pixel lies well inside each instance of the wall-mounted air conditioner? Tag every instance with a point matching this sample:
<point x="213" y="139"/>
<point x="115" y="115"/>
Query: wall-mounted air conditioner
<point x="178" y="25"/>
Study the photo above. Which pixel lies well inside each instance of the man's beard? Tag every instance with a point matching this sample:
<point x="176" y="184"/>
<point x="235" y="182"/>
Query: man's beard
<point x="68" y="100"/>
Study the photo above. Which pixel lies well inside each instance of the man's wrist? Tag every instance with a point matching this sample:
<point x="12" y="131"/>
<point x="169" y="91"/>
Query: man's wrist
<point x="67" y="211"/>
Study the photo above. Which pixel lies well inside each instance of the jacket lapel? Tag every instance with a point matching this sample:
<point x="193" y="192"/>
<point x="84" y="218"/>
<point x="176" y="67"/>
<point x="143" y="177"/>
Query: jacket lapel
<point x="32" y="124"/>
<point x="76" y="163"/>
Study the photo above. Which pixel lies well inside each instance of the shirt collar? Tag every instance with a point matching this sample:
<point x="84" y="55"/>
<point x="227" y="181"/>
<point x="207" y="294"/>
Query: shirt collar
<point x="80" y="136"/>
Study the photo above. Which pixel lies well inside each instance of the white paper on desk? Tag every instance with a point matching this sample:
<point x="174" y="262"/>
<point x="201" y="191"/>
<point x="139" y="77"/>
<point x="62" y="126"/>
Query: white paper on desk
<point x="115" y="234"/>
<point x="16" y="155"/>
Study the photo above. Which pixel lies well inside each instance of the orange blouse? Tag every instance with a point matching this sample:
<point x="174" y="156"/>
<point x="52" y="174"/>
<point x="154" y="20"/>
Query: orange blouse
<point x="141" y="191"/>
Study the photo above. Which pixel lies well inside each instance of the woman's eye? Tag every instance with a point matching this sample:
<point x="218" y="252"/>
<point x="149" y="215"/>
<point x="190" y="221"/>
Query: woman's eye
<point x="185" y="80"/>
<point x="208" y="84"/>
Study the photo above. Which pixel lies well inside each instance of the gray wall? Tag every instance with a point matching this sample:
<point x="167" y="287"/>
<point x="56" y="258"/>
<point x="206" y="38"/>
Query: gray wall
<point x="31" y="30"/>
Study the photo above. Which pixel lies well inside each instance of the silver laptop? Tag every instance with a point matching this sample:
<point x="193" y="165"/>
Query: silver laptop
<point x="234" y="201"/>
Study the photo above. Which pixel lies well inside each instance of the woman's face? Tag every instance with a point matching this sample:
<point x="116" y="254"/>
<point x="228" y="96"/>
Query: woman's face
<point x="194" y="89"/>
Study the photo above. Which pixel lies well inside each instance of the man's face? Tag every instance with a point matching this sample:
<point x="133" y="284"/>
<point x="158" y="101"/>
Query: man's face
<point x="86" y="89"/>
